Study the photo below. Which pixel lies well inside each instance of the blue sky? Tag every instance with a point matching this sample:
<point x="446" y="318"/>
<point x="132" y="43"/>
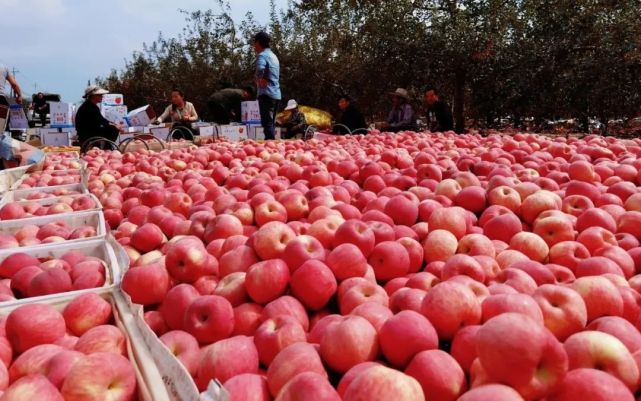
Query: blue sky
<point x="57" y="45"/>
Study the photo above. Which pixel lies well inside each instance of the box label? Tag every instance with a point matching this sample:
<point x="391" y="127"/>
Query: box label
<point x="115" y="114"/>
<point x="61" y="114"/>
<point x="55" y="138"/>
<point x="250" y="112"/>
<point x="234" y="133"/>
<point x="113" y="99"/>
<point x="18" y="118"/>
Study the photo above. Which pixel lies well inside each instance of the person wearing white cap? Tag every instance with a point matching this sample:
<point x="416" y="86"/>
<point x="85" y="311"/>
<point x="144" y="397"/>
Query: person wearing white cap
<point x="296" y="124"/>
<point x="90" y="123"/>
<point x="401" y="118"/>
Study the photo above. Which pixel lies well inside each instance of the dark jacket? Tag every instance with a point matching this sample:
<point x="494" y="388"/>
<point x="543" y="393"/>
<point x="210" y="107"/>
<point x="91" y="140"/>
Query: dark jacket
<point x="90" y="123"/>
<point x="40" y="105"/>
<point x="439" y="117"/>
<point x="352" y="118"/>
<point x="225" y="104"/>
<point x="402" y="118"/>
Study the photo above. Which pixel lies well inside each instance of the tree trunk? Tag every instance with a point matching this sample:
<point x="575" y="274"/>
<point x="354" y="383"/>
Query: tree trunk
<point x="459" y="99"/>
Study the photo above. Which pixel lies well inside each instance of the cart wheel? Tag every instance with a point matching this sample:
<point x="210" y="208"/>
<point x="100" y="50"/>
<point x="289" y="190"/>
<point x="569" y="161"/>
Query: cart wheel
<point x="181" y="130"/>
<point x="360" y="131"/>
<point x="345" y="127"/>
<point x="140" y="138"/>
<point x="309" y="132"/>
<point x="125" y="144"/>
<point x="93" y="142"/>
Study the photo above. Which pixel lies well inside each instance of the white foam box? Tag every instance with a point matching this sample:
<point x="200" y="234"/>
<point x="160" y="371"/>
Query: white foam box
<point x="65" y="154"/>
<point x="61" y="114"/>
<point x="57" y="137"/>
<point x="81" y="174"/>
<point x="250" y="112"/>
<point x="115" y="114"/>
<point x="113" y="99"/>
<point x="10" y="176"/>
<point x="47" y="192"/>
<point x="178" y="382"/>
<point x="160" y="133"/>
<point x="54" y="200"/>
<point x="141" y="117"/>
<point x="94" y="219"/>
<point x="233" y="133"/>
<point x="100" y="248"/>
<point x="257" y="132"/>
<point x="205" y="130"/>
<point x="124" y="136"/>
<point x="149" y="382"/>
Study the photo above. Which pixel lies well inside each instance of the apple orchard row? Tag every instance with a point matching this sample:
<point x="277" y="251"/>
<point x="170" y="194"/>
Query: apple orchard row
<point x="387" y="267"/>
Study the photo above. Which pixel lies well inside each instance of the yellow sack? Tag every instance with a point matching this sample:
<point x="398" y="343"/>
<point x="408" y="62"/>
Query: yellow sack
<point x="318" y="118"/>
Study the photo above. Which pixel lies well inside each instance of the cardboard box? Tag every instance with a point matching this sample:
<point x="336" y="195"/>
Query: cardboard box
<point x="124" y="136"/>
<point x="207" y="130"/>
<point x="257" y="132"/>
<point x="160" y="132"/>
<point x="113" y="99"/>
<point x="250" y="112"/>
<point x="233" y="133"/>
<point x="115" y="114"/>
<point x="61" y="114"/>
<point x="141" y="116"/>
<point x="56" y="137"/>
<point x="18" y="119"/>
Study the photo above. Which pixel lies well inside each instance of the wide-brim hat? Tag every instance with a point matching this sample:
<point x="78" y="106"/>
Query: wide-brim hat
<point x="400" y="92"/>
<point x="291" y="105"/>
<point x="93" y="90"/>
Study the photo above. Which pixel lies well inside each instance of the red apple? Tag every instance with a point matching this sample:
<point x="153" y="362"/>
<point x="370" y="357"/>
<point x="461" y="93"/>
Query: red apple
<point x="405" y="335"/>
<point x="86" y="312"/>
<point x="209" y="318"/>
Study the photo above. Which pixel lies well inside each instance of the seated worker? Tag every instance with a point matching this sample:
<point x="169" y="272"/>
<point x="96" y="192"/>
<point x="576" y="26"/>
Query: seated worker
<point x="402" y="117"/>
<point x="41" y="108"/>
<point x="90" y="123"/>
<point x="296" y="125"/>
<point x="224" y="105"/>
<point x="14" y="153"/>
<point x="180" y="113"/>
<point x="439" y="115"/>
<point x="351" y="117"/>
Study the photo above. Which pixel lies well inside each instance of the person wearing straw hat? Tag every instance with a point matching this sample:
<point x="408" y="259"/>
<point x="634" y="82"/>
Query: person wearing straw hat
<point x="296" y="125"/>
<point x="90" y="123"/>
<point x="402" y="117"/>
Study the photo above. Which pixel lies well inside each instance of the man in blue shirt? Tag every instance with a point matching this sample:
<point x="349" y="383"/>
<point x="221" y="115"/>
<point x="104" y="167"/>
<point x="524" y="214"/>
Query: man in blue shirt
<point x="267" y="81"/>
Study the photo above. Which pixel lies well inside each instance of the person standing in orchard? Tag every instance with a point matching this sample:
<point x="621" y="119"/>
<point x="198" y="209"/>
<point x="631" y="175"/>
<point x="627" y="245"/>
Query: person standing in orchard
<point x="268" y="82"/>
